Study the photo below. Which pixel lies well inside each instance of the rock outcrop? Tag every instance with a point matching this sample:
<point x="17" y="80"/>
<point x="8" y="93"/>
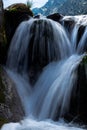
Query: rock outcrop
<point x="14" y="15"/>
<point x="56" y="17"/>
<point x="10" y="105"/>
<point x="78" y="104"/>
<point x="10" y="18"/>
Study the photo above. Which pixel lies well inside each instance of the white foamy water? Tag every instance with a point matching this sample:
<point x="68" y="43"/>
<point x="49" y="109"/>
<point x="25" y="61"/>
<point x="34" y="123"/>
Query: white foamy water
<point x="30" y="124"/>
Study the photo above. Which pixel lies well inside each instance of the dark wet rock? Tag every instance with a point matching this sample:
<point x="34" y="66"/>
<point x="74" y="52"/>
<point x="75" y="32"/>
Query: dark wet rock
<point x="56" y="17"/>
<point x="2" y="36"/>
<point x="82" y="85"/>
<point x="68" y="23"/>
<point x="41" y="49"/>
<point x="78" y="104"/>
<point x="80" y="32"/>
<point x="14" y="15"/>
<point x="37" y="16"/>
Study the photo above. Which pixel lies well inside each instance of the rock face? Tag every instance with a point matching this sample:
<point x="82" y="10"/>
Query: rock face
<point x="14" y="15"/>
<point x="10" y="104"/>
<point x="78" y="104"/>
<point x="82" y="85"/>
<point x="9" y="21"/>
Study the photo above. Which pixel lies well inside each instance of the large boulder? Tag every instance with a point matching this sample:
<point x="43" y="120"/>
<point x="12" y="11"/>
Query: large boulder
<point x="78" y="104"/>
<point x="14" y="15"/>
<point x="11" y="108"/>
<point x="82" y="87"/>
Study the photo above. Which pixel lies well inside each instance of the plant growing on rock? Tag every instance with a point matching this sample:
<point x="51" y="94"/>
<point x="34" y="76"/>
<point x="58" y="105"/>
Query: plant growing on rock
<point x="29" y="3"/>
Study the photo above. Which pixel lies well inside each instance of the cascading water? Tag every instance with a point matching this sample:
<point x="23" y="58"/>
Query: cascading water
<point x="43" y="62"/>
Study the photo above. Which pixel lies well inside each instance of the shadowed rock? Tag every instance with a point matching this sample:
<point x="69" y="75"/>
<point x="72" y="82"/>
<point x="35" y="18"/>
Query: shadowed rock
<point x="14" y="15"/>
<point x="10" y="104"/>
<point x="56" y="17"/>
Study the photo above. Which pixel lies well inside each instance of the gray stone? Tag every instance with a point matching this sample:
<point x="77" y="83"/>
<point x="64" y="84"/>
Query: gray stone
<point x="11" y="109"/>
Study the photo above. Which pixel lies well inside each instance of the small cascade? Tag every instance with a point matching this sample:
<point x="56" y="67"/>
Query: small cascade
<point x="53" y="95"/>
<point x="78" y="41"/>
<point x="43" y="61"/>
<point x="74" y="37"/>
<point x="40" y="41"/>
<point x="82" y="46"/>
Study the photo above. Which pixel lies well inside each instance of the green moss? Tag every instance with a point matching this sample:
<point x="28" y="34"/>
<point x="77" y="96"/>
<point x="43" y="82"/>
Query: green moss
<point x="84" y="60"/>
<point x="13" y="9"/>
<point x="29" y="3"/>
<point x="18" y="7"/>
<point x="3" y="121"/>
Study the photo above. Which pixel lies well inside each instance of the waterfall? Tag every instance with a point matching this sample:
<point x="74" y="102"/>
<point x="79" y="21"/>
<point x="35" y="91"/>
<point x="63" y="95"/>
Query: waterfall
<point x="43" y="62"/>
<point x="55" y="90"/>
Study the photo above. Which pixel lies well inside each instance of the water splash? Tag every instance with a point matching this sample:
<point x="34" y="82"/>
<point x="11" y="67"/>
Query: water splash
<point x="30" y="124"/>
<point x="54" y="88"/>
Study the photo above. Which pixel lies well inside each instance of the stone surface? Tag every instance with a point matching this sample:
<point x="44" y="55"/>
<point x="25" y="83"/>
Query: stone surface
<point x="10" y="108"/>
<point x="56" y="17"/>
<point x="14" y="15"/>
<point x="78" y="104"/>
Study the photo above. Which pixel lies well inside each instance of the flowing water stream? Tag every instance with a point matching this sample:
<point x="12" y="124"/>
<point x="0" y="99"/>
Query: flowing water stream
<point x="43" y="62"/>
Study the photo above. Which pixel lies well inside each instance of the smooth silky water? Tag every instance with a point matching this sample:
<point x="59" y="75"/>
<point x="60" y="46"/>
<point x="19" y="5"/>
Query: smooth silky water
<point x="44" y="43"/>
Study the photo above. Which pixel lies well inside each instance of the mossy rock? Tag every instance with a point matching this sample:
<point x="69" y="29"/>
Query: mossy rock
<point x="14" y="15"/>
<point x="19" y="8"/>
<point x="3" y="121"/>
<point x="84" y="61"/>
